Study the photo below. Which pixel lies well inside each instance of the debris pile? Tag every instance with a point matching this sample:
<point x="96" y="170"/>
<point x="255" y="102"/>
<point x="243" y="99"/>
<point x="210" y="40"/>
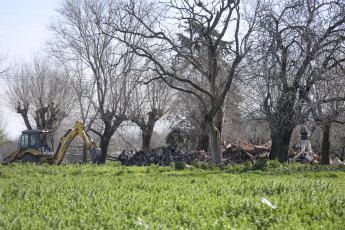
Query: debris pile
<point x="234" y="153"/>
<point x="336" y="161"/>
<point x="242" y="151"/>
<point x="239" y="152"/>
<point x="164" y="156"/>
<point x="305" y="157"/>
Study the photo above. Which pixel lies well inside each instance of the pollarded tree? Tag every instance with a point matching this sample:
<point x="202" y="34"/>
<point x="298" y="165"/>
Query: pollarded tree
<point x="152" y="102"/>
<point x="41" y="92"/>
<point x="79" y="37"/>
<point x="160" y="42"/>
<point x="293" y="34"/>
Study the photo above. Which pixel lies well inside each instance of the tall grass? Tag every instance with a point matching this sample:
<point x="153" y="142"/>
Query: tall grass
<point x="116" y="197"/>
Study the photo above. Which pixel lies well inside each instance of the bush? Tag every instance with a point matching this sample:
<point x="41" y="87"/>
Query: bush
<point x="259" y="165"/>
<point x="204" y="166"/>
<point x="180" y="165"/>
<point x="172" y="165"/>
<point x="196" y="164"/>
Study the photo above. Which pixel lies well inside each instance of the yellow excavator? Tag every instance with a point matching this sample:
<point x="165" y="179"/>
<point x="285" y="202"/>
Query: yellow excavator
<point x="36" y="146"/>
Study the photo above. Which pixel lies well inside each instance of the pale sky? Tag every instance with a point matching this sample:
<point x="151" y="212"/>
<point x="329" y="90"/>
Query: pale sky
<point x="23" y="25"/>
<point x="23" y="32"/>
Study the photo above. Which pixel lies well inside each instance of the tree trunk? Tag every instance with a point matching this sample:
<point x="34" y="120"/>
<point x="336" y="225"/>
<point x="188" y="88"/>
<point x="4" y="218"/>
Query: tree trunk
<point x="84" y="154"/>
<point x="326" y="144"/>
<point x="40" y="117"/>
<point x="280" y="144"/>
<point x="203" y="137"/>
<point x="215" y="142"/>
<point x="110" y="126"/>
<point x="204" y="141"/>
<point x="26" y="121"/>
<point x="147" y="128"/>
<point x="215" y="125"/>
<point x="105" y="139"/>
<point x="109" y="130"/>
<point x="104" y="144"/>
<point x="146" y="137"/>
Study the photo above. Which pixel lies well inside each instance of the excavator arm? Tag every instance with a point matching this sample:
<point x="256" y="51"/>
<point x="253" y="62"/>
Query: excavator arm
<point x="12" y="157"/>
<point x="95" y="152"/>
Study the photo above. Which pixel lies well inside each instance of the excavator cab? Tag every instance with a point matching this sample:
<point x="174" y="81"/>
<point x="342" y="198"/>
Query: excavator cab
<point x="40" y="140"/>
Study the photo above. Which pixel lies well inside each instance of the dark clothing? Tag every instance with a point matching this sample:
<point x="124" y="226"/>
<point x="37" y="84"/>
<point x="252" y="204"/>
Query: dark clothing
<point x="304" y="134"/>
<point x="123" y="157"/>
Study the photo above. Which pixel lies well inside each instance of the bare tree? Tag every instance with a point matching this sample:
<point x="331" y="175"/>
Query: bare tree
<point x="293" y="35"/>
<point x="152" y="102"/>
<point x="79" y="36"/>
<point x="329" y="106"/>
<point x="85" y="89"/>
<point x="199" y="21"/>
<point x="40" y="92"/>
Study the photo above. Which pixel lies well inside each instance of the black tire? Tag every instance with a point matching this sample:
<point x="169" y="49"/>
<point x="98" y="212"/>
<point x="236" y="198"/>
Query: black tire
<point x="29" y="158"/>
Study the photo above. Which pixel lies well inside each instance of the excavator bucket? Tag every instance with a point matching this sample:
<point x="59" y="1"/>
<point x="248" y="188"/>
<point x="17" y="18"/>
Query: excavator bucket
<point x="96" y="155"/>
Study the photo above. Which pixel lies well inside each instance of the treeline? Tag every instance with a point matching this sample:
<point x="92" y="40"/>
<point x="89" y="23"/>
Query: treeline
<point x="227" y="69"/>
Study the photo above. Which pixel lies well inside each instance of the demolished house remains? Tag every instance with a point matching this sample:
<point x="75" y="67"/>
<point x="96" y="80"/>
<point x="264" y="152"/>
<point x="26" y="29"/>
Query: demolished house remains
<point x="239" y="152"/>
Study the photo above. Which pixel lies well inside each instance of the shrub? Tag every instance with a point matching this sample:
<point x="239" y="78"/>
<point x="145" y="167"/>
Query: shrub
<point x="180" y="165"/>
<point x="196" y="164"/>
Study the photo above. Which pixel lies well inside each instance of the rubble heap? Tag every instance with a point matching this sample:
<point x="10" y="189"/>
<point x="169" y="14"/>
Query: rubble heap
<point x="304" y="158"/>
<point x="239" y="152"/>
<point x="164" y="156"/>
<point x="242" y="151"/>
<point x="234" y="153"/>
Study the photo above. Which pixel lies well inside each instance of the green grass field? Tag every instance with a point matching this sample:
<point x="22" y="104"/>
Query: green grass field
<point x="201" y="197"/>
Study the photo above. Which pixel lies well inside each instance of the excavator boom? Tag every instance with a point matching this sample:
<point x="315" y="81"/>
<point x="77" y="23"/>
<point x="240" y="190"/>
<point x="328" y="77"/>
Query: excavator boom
<point x="95" y="152"/>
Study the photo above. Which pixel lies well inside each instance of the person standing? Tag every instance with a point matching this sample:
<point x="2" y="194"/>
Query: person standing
<point x="123" y="156"/>
<point x="130" y="155"/>
<point x="305" y="141"/>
